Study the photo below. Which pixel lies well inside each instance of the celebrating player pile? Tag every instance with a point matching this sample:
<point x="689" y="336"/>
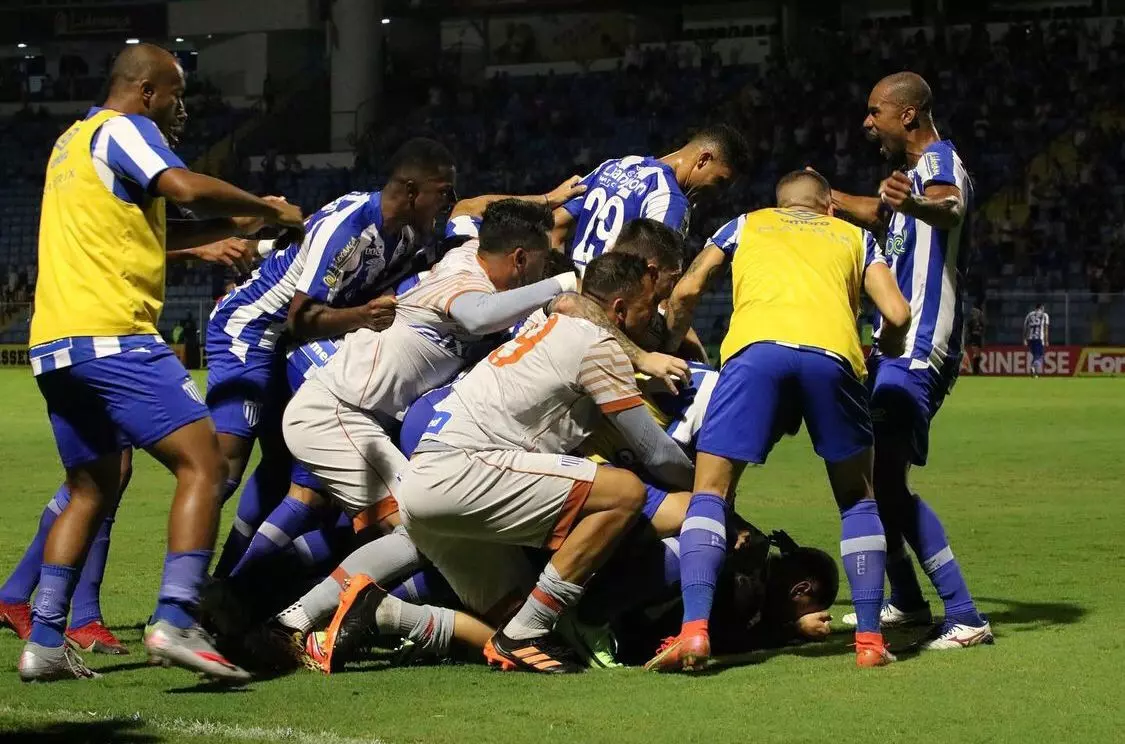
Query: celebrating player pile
<point x="527" y="470"/>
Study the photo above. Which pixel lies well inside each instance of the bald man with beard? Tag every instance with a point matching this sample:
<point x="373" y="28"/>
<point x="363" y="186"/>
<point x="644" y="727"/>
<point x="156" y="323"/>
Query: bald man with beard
<point x="920" y="218"/>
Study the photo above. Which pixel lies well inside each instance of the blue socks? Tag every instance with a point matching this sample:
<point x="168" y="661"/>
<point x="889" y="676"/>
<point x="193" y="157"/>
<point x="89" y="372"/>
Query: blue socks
<point x="927" y="537"/>
<point x="21" y="584"/>
<point x="703" y="548"/>
<point x="863" y="546"/>
<point x="86" y="606"/>
<point x="48" y="616"/>
<point x="287" y="522"/>
<point x="179" y="588"/>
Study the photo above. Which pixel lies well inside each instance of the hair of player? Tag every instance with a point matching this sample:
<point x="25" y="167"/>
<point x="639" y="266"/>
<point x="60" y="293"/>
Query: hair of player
<point x="420" y="157"/>
<point x="613" y="275"/>
<point x="910" y="89"/>
<point x="508" y="224"/>
<point x="822" y="191"/>
<point x="653" y="241"/>
<point x="559" y="263"/>
<point x="1038" y="305"/>
<point x="819" y="568"/>
<point x="731" y="144"/>
<point x="138" y="62"/>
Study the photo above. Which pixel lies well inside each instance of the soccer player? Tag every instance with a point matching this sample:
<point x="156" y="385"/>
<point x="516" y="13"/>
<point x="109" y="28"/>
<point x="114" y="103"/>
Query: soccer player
<point x="792" y="354"/>
<point x="1036" y="338"/>
<point x="974" y="338"/>
<point x="663" y="189"/>
<point x="491" y="473"/>
<point x="922" y="214"/>
<point x="356" y="246"/>
<point x="107" y="378"/>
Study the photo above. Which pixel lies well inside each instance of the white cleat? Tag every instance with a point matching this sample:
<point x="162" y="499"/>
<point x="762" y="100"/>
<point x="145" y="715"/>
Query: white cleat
<point x="46" y="664"/>
<point x="192" y="649"/>
<point x="950" y="635"/>
<point x="892" y="617"/>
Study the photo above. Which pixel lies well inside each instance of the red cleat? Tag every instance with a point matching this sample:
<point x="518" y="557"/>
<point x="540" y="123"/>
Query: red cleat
<point x="95" y="638"/>
<point x="16" y="616"/>
<point x="870" y="651"/>
<point x="690" y="651"/>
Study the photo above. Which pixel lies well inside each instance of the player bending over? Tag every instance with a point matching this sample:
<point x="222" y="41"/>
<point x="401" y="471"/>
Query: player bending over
<point x="108" y="379"/>
<point x="792" y="354"/>
<point x="663" y="189"/>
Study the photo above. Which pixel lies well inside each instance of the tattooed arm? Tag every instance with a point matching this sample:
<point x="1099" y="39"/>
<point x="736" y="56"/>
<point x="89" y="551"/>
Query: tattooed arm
<point x="662" y="366"/>
<point x="685" y="297"/>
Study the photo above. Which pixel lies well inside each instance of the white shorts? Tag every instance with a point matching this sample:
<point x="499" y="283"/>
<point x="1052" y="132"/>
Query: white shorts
<point x="500" y="496"/>
<point x="347" y="449"/>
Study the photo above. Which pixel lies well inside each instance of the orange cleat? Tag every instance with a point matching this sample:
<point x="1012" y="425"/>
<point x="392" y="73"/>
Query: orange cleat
<point x="95" y="638"/>
<point x="352" y="623"/>
<point x="17" y="616"/>
<point x="690" y="651"/>
<point x="871" y="651"/>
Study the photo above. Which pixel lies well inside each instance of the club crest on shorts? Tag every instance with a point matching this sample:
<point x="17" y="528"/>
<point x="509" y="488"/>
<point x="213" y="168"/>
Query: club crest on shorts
<point x="252" y="412"/>
<point x="191" y="391"/>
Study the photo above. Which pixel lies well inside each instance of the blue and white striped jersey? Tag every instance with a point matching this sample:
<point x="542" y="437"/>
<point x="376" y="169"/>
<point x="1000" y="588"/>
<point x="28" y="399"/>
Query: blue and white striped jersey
<point x="343" y="254"/>
<point x="930" y="264"/>
<point x="1035" y="325"/>
<point x="302" y="361"/>
<point x="726" y="237"/>
<point x="129" y="152"/>
<point x="618" y="191"/>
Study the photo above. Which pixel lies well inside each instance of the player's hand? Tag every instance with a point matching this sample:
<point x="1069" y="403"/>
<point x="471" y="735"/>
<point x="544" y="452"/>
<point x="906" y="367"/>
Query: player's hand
<point x="895" y="192"/>
<point x="234" y="253"/>
<point x="815" y="626"/>
<point x="564" y="192"/>
<point x="893" y="344"/>
<point x="664" y="367"/>
<point x="378" y="314"/>
<point x="285" y="214"/>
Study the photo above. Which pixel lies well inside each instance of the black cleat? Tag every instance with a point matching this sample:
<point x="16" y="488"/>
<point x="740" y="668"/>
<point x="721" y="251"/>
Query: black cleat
<point x="546" y="654"/>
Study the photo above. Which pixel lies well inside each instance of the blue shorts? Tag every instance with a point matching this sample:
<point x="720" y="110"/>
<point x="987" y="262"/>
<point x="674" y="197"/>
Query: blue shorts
<point x="654" y="497"/>
<point x="766" y="390"/>
<point x="1036" y="347"/>
<point x="903" y="403"/>
<point x="418" y="417"/>
<point x="100" y="406"/>
<point x="241" y="394"/>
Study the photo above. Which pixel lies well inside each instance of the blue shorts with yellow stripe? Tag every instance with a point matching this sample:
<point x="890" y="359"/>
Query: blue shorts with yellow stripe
<point x="134" y="395"/>
<point x="765" y="392"/>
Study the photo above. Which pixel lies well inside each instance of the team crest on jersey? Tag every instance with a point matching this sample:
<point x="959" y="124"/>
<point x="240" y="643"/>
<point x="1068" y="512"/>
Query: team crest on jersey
<point x="191" y="391"/>
<point x="252" y="412"/>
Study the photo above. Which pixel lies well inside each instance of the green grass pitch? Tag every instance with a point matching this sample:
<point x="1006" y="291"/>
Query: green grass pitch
<point x="1027" y="474"/>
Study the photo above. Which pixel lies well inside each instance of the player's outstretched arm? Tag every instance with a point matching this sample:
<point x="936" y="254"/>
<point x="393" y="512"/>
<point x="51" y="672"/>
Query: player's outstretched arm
<point x="212" y="197"/>
<point x="864" y="211"/>
<point x="880" y="285"/>
<point x="657" y="452"/>
<point x="685" y="297"/>
<point x="311" y="319"/>
<point x="481" y="313"/>
<point x="941" y="204"/>
<point x="664" y="367"/>
<point x="556" y="197"/>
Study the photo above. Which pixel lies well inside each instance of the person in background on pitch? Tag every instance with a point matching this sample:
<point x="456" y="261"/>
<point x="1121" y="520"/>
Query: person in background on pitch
<point x="974" y="338"/>
<point x="108" y="379"/>
<point x="1036" y="327"/>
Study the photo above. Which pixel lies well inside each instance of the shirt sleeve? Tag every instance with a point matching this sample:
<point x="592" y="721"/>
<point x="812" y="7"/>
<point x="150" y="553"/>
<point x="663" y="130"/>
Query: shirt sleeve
<point x="872" y="251"/>
<point x="726" y="237"/>
<point x="333" y="252"/>
<point x="133" y="148"/>
<point x="938" y="166"/>
<point x="606" y="375"/>
<point x="462" y="226"/>
<point x="574" y="206"/>
<point x="668" y="206"/>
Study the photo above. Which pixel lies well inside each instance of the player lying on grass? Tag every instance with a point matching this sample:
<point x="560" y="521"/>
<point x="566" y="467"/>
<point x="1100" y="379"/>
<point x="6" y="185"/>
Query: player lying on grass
<point x="792" y="355"/>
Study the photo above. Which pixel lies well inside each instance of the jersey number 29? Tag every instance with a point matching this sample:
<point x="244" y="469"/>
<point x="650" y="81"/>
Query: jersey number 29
<point x="605" y="224"/>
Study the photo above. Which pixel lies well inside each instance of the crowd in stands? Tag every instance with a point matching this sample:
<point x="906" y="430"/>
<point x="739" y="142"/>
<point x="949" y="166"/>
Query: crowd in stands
<point x="1050" y="92"/>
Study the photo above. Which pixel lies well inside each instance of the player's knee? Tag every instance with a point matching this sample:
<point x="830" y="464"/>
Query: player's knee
<point x="632" y="495"/>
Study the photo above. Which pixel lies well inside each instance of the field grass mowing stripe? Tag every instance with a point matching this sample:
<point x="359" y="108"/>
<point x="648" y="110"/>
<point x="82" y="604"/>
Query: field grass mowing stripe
<point x="188" y="727"/>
